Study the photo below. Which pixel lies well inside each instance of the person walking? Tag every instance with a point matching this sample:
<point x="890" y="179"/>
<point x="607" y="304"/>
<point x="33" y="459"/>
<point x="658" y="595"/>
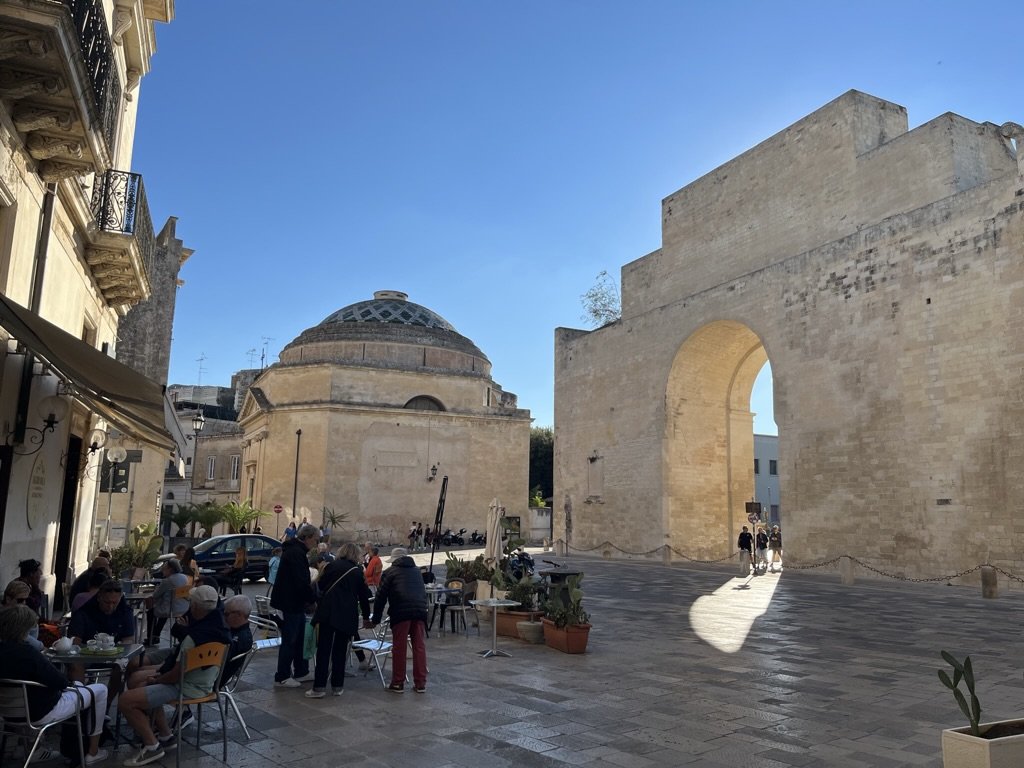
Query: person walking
<point x="775" y="544"/>
<point x="402" y="590"/>
<point x="761" y="545"/>
<point x="292" y="593"/>
<point x="745" y="542"/>
<point x="343" y="594"/>
<point x="373" y="567"/>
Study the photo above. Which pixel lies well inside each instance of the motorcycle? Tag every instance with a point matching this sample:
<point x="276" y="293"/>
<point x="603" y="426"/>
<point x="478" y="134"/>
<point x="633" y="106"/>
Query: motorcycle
<point x="521" y="564"/>
<point x="457" y="538"/>
<point x="477" y="538"/>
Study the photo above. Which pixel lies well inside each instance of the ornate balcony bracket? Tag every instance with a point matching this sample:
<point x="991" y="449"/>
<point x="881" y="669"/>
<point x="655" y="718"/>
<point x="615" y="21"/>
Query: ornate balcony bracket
<point x="42" y="147"/>
<point x="20" y="84"/>
<point x="30" y="117"/>
<point x="22" y="43"/>
<point x="52" y="171"/>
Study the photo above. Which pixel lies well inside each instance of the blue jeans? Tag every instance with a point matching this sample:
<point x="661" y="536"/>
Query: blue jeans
<point x="289" y="655"/>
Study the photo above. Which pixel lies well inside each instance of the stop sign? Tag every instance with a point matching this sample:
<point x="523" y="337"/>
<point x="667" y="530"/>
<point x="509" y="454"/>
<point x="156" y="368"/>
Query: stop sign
<point x="278" y="509"/>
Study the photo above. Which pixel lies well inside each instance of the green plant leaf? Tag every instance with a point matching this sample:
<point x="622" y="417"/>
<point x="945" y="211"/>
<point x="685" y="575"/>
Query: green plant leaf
<point x="951" y="660"/>
<point x="969" y="674"/>
<point x="945" y="679"/>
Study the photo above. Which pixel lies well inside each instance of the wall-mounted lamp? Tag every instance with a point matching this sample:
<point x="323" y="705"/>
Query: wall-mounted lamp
<point x="53" y="410"/>
<point x="433" y="473"/>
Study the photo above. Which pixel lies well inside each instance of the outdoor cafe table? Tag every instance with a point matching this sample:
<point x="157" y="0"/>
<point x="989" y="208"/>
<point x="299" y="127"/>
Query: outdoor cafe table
<point x="494" y="604"/>
<point x="107" y="659"/>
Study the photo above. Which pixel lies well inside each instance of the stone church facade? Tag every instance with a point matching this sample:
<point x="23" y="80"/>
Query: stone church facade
<point x="368" y="411"/>
<point x="881" y="272"/>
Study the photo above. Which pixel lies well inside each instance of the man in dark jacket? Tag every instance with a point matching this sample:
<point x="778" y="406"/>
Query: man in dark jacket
<point x="292" y="594"/>
<point x="401" y="588"/>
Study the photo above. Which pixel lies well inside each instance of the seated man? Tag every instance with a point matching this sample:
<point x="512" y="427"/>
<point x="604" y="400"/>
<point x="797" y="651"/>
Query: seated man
<point x="59" y="699"/>
<point x="105" y="613"/>
<point x="163" y="604"/>
<point x="236" y="614"/>
<point x="151" y="688"/>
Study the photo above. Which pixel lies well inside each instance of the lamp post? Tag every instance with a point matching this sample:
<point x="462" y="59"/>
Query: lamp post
<point x="295" y="487"/>
<point x="115" y="456"/>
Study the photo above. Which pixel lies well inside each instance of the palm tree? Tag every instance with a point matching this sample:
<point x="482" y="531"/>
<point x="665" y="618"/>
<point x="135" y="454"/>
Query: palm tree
<point x="182" y="517"/>
<point x="332" y="519"/>
<point x="207" y="515"/>
<point x="241" y="515"/>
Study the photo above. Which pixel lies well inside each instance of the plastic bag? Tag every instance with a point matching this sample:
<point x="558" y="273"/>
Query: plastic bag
<point x="309" y="642"/>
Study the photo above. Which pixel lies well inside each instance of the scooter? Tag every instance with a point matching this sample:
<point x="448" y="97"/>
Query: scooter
<point x="520" y="563"/>
<point x="477" y="538"/>
<point x="457" y="538"/>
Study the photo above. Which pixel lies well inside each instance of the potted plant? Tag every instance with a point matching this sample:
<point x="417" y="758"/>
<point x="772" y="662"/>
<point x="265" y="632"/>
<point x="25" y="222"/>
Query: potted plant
<point x="978" y="745"/>
<point x="524" y="592"/>
<point x="567" y="625"/>
<point x="140" y="551"/>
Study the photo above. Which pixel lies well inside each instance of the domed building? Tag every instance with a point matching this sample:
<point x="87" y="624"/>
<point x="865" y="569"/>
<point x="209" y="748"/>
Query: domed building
<point x="367" y="411"/>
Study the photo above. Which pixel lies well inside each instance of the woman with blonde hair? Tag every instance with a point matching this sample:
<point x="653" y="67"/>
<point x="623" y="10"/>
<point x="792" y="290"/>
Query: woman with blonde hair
<point x="342" y="594"/>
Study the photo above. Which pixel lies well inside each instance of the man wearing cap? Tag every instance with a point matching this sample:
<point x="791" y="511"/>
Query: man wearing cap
<point x="292" y="594"/>
<point x="401" y="588"/>
<point x="150" y="688"/>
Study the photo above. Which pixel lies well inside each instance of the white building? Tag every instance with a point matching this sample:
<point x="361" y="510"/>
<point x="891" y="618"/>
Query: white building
<point x="766" y="475"/>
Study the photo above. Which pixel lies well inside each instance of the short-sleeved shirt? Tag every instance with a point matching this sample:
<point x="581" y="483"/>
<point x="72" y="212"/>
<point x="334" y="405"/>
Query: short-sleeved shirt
<point x="198" y="682"/>
<point x="89" y="621"/>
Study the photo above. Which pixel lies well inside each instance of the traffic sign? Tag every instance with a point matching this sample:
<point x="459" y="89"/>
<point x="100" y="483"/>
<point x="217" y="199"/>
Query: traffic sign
<point x="278" y="509"/>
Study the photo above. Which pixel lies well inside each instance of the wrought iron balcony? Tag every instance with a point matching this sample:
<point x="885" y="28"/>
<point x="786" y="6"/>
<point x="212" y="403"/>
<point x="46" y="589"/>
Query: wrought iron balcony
<point x="123" y="244"/>
<point x="59" y="79"/>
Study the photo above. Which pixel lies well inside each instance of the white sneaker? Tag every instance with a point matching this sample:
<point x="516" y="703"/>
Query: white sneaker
<point x="99" y="757"/>
<point x="145" y="757"/>
<point x="337" y="691"/>
<point x="306" y="678"/>
<point x="291" y="682"/>
<point x="313" y="693"/>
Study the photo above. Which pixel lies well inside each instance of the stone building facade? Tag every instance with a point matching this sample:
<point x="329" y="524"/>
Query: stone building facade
<point x="77" y="251"/>
<point x="881" y="270"/>
<point x="367" y="412"/>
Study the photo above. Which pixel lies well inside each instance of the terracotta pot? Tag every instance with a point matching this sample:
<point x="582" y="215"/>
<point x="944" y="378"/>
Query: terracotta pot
<point x="507" y="621"/>
<point x="569" y="639"/>
<point x="962" y="750"/>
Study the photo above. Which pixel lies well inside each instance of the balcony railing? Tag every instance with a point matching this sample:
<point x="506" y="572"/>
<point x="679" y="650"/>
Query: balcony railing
<point x="119" y="205"/>
<point x="98" y="55"/>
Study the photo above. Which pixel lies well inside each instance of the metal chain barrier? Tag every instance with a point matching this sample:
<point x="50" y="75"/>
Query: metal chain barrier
<point x="793" y="567"/>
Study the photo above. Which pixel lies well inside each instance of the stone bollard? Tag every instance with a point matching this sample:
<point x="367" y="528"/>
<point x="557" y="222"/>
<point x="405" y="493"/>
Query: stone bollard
<point x="547" y="545"/>
<point x="846" y="571"/>
<point x="989" y="582"/>
<point x="560" y="548"/>
<point x="666" y="555"/>
<point x="744" y="563"/>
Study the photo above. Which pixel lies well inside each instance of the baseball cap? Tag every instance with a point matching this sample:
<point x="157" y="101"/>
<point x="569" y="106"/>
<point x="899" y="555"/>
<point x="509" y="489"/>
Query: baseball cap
<point x="398" y="552"/>
<point x="203" y="596"/>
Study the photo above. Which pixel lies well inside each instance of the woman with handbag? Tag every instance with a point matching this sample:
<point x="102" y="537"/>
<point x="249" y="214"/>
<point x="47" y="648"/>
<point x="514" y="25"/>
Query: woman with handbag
<point x="342" y="594"/>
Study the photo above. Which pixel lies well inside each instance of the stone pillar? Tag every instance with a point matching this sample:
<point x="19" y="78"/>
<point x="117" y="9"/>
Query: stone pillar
<point x="846" y="571"/>
<point x="666" y="554"/>
<point x="744" y="563"/>
<point x="989" y="583"/>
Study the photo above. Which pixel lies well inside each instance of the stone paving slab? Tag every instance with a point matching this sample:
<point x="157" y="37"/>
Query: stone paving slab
<point x="686" y="666"/>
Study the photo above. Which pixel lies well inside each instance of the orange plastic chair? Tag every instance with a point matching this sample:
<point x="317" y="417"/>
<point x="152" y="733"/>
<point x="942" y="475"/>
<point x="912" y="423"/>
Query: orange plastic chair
<point x="205" y="655"/>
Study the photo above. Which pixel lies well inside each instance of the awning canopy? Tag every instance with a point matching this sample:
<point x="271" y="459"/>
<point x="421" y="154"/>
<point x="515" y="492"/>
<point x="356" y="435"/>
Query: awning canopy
<point x="123" y="397"/>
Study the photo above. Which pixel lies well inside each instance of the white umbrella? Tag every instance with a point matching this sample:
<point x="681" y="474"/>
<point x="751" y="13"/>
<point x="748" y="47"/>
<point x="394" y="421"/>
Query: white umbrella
<point x="494" y="546"/>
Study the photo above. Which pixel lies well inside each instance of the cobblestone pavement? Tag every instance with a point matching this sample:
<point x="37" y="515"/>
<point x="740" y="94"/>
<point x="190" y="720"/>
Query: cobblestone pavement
<point x="686" y="666"/>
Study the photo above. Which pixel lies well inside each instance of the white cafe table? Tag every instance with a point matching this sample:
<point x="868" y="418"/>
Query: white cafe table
<point x="494" y="604"/>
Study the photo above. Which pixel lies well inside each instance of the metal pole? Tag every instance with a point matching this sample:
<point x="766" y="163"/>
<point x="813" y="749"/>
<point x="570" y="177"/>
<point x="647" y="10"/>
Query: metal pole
<point x="110" y="502"/>
<point x="295" y="487"/>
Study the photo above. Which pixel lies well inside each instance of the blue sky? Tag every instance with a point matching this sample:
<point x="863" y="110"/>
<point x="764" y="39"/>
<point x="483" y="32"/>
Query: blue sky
<point x="490" y="158"/>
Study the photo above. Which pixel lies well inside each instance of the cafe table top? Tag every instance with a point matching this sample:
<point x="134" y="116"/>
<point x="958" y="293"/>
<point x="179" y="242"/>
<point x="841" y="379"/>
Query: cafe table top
<point x="126" y="651"/>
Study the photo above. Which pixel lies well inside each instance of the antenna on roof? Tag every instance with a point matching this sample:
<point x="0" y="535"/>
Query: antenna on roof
<point x="263" y="354"/>
<point x="251" y="354"/>
<point x="200" y="359"/>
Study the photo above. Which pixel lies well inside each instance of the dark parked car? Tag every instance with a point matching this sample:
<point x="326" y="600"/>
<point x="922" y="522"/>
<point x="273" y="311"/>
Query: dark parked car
<point x="218" y="553"/>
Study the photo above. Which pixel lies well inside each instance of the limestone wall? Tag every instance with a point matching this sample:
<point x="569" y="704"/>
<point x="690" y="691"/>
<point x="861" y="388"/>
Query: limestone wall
<point x="895" y="349"/>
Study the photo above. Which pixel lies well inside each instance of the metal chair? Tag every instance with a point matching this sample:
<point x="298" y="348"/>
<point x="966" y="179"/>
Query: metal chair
<point x="379" y="647"/>
<point x="227" y="690"/>
<point x="267" y="626"/>
<point x="205" y="655"/>
<point x="459" y="606"/>
<point x="14" y="712"/>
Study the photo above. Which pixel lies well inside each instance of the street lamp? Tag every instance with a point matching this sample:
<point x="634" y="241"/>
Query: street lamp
<point x="198" y="422"/>
<point x="115" y="456"/>
<point x="295" y="487"/>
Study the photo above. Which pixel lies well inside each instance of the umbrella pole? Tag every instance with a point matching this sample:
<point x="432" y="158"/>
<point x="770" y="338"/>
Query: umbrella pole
<point x="438" y="518"/>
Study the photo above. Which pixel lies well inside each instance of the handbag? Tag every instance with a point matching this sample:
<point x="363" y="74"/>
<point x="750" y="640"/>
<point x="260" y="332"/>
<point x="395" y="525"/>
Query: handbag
<point x="309" y="642"/>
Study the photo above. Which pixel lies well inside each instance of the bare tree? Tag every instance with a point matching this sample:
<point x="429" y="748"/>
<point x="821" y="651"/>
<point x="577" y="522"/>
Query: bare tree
<point x="601" y="303"/>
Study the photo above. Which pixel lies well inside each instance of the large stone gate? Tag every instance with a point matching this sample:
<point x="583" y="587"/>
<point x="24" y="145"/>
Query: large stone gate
<point x="881" y="272"/>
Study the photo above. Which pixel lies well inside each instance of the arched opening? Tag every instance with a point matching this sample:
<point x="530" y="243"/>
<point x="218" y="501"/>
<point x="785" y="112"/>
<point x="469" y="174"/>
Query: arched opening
<point x="424" y="403"/>
<point x="767" y="490"/>
<point x="709" y="438"/>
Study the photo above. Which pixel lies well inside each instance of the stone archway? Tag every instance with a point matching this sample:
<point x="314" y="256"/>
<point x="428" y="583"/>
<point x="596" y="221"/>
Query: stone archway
<point x="709" y="443"/>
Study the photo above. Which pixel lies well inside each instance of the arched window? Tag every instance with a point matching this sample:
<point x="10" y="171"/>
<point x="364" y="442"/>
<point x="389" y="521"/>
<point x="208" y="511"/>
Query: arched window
<point x="424" y="403"/>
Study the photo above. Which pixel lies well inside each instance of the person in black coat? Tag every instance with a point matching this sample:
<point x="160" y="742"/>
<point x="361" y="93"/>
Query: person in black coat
<point x="402" y="590"/>
<point x="343" y="594"/>
<point x="292" y="593"/>
<point x="60" y="698"/>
